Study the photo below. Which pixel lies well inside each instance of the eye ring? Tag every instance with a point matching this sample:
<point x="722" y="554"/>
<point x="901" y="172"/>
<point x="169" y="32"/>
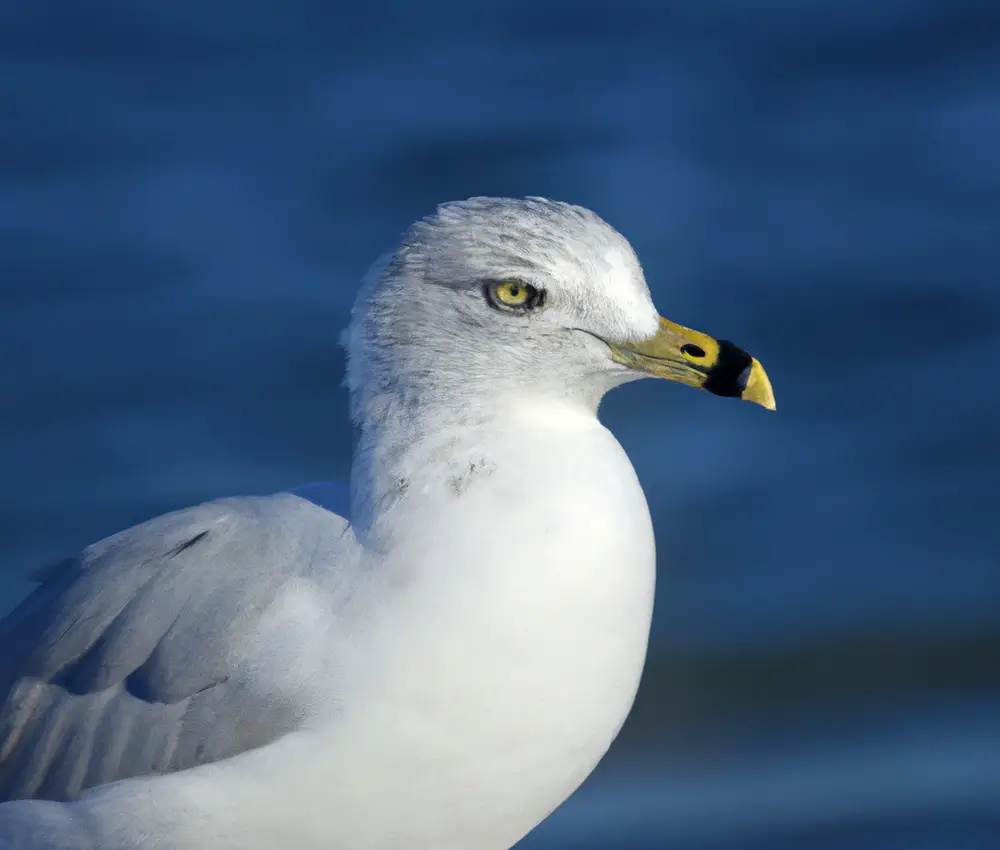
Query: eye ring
<point x="513" y="295"/>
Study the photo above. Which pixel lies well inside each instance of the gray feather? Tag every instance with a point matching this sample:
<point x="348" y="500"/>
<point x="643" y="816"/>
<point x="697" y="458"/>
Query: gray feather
<point x="122" y="662"/>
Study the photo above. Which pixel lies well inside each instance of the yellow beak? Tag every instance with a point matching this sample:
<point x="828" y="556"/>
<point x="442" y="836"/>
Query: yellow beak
<point x="681" y="354"/>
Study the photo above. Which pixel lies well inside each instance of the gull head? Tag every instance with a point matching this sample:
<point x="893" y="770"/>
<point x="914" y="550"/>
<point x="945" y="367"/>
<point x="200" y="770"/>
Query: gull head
<point x="490" y="297"/>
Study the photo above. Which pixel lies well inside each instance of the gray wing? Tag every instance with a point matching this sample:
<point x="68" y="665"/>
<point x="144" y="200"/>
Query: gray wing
<point x="129" y="659"/>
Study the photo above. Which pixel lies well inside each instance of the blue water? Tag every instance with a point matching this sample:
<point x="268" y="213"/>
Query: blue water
<point x="189" y="194"/>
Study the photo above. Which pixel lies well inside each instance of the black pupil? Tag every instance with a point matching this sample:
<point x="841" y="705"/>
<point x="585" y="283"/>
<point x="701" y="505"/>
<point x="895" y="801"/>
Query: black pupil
<point x="515" y="291"/>
<point x="692" y="350"/>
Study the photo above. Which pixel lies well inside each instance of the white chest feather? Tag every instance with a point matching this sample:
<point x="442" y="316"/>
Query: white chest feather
<point x="508" y="694"/>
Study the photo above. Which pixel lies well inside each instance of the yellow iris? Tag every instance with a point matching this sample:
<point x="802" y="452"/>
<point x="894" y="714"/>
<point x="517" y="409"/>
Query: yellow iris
<point x="512" y="293"/>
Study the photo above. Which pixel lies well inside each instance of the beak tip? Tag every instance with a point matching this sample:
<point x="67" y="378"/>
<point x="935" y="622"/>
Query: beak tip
<point x="758" y="388"/>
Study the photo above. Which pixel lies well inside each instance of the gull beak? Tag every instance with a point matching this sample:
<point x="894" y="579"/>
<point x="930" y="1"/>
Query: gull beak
<point x="681" y="354"/>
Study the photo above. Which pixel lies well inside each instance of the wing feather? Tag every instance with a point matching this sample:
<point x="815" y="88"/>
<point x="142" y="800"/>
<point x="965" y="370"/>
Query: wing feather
<point x="127" y="659"/>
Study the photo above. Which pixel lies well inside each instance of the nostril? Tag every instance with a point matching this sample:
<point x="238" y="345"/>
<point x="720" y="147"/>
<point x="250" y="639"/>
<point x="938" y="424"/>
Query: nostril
<point x="691" y="350"/>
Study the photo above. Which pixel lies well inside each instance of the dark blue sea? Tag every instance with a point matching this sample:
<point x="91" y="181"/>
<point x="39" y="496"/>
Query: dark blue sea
<point x="190" y="193"/>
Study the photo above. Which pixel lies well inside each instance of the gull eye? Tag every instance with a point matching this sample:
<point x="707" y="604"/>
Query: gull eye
<point x="513" y="295"/>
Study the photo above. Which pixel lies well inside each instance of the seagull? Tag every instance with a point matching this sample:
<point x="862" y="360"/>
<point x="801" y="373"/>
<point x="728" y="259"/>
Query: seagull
<point x="433" y="658"/>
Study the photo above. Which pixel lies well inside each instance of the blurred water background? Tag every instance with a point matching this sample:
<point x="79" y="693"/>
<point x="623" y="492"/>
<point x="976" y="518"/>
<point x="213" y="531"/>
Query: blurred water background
<point x="190" y="192"/>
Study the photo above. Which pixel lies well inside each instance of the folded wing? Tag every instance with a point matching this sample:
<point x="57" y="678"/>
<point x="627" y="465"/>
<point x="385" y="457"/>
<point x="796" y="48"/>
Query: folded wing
<point x="143" y="654"/>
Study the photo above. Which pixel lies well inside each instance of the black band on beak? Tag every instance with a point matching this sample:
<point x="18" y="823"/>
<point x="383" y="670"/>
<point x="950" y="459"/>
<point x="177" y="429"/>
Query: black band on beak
<point x="729" y="375"/>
